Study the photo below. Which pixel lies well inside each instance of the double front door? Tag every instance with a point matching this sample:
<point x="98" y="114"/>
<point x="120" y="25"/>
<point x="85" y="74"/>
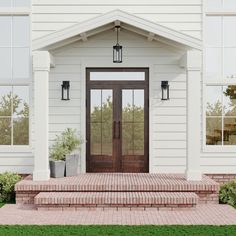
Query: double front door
<point x="117" y="120"/>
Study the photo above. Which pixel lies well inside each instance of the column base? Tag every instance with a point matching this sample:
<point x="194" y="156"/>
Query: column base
<point x="193" y="175"/>
<point x="41" y="175"/>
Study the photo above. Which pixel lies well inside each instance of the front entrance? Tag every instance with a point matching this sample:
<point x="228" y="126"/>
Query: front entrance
<point x="117" y="119"/>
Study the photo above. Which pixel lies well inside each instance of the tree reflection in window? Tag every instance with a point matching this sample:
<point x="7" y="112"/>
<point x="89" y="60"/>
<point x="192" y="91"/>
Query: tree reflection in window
<point x="221" y="115"/>
<point x="14" y="115"/>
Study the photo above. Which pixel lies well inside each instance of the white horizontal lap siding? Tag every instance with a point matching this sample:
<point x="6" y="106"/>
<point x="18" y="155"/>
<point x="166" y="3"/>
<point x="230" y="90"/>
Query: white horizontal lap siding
<point x="53" y="15"/>
<point x="21" y="163"/>
<point x="169" y="120"/>
<point x="64" y="114"/>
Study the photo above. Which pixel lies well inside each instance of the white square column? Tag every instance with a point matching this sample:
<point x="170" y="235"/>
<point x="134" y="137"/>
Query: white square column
<point x="41" y="68"/>
<point x="193" y="64"/>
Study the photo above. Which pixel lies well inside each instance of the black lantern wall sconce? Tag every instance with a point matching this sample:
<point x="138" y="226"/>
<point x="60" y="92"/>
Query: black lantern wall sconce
<point x="165" y="90"/>
<point x="117" y="49"/>
<point x="65" y="90"/>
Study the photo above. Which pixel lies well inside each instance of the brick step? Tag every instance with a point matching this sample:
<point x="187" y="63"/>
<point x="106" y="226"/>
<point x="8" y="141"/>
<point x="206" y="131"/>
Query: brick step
<point x="103" y="200"/>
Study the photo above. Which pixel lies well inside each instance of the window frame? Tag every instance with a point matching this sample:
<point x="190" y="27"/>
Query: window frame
<point x="20" y="11"/>
<point x="214" y="148"/>
<point x="20" y="148"/>
<point x="222" y="82"/>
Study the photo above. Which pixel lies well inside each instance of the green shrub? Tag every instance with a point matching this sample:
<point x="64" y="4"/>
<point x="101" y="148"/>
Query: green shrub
<point x="7" y="184"/>
<point x="228" y="193"/>
<point x="64" y="144"/>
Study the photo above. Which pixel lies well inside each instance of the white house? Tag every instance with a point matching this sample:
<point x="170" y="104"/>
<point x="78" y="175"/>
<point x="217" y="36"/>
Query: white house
<point x="121" y="110"/>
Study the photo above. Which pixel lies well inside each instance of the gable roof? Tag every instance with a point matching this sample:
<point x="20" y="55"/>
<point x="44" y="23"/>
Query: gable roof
<point x="77" y="31"/>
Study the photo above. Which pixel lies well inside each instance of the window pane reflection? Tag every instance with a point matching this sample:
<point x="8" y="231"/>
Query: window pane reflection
<point x="229" y="93"/>
<point x="214" y="131"/>
<point x="213" y="100"/>
<point x="20" y="131"/>
<point x="5" y="131"/>
<point x="5" y="100"/>
<point x="229" y="131"/>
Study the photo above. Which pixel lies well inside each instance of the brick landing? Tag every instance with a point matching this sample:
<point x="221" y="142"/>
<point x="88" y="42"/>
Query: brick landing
<point x="206" y="189"/>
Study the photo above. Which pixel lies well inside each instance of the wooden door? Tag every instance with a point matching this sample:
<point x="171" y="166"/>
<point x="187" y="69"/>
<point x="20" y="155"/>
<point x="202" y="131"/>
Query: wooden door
<point x="117" y="120"/>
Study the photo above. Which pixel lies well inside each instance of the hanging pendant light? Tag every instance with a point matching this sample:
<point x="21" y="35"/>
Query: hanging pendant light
<point x="117" y="49"/>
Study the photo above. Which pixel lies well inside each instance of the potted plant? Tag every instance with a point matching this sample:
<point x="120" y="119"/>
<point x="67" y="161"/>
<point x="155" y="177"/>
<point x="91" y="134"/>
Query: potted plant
<point x="72" y="143"/>
<point x="64" y="154"/>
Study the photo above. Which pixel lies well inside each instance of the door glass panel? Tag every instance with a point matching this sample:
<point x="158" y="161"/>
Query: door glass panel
<point x="96" y="146"/>
<point x="133" y="122"/>
<point x="127" y="138"/>
<point x="101" y="116"/>
<point x="138" y="138"/>
<point x="138" y="105"/>
<point x="127" y="105"/>
<point x="96" y="112"/>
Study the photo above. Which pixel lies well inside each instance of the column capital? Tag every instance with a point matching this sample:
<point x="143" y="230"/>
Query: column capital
<point x="41" y="61"/>
<point x="191" y="60"/>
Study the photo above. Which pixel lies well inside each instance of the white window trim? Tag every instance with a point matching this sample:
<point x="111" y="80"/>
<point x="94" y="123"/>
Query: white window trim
<point x="213" y="148"/>
<point x="16" y="148"/>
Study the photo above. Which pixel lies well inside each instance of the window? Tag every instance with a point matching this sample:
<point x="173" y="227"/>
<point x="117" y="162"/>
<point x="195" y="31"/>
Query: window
<point x="220" y="74"/>
<point x="221" y="115"/>
<point x="220" y="51"/>
<point x="14" y="76"/>
<point x="14" y="115"/>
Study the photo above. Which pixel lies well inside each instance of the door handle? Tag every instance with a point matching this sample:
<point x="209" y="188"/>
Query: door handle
<point x="119" y="131"/>
<point x="114" y="129"/>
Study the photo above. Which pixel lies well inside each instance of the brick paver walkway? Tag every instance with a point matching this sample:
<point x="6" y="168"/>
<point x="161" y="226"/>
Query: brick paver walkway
<point x="204" y="214"/>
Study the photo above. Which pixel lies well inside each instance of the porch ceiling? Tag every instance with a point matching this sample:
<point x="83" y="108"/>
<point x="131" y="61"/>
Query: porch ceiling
<point x="84" y="30"/>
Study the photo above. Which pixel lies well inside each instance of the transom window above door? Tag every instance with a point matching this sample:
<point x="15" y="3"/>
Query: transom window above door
<point x="114" y="76"/>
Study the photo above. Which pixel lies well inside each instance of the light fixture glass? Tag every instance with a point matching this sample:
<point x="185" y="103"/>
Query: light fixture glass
<point x="65" y="90"/>
<point x="165" y="93"/>
<point x="117" y="49"/>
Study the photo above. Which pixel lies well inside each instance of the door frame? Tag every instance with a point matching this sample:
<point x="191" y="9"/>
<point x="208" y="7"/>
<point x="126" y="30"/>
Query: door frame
<point x="128" y="85"/>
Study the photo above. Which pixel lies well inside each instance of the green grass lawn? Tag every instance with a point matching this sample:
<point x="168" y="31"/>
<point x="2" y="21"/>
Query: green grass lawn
<point x="2" y="204"/>
<point x="118" y="230"/>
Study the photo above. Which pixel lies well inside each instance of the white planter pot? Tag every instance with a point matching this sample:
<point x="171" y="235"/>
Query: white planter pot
<point x="57" y="168"/>
<point x="72" y="164"/>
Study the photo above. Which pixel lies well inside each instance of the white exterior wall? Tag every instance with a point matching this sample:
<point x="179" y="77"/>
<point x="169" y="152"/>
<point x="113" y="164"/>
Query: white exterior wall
<point x="51" y="15"/>
<point x="167" y="119"/>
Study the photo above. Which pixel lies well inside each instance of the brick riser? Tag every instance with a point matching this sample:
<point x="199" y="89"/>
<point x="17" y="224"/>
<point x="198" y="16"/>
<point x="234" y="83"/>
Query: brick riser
<point x="115" y="200"/>
<point x="204" y="197"/>
<point x="164" y="207"/>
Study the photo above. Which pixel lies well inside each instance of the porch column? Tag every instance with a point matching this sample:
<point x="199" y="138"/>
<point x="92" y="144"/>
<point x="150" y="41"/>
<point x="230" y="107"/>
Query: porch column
<point x="41" y="68"/>
<point x="193" y="60"/>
